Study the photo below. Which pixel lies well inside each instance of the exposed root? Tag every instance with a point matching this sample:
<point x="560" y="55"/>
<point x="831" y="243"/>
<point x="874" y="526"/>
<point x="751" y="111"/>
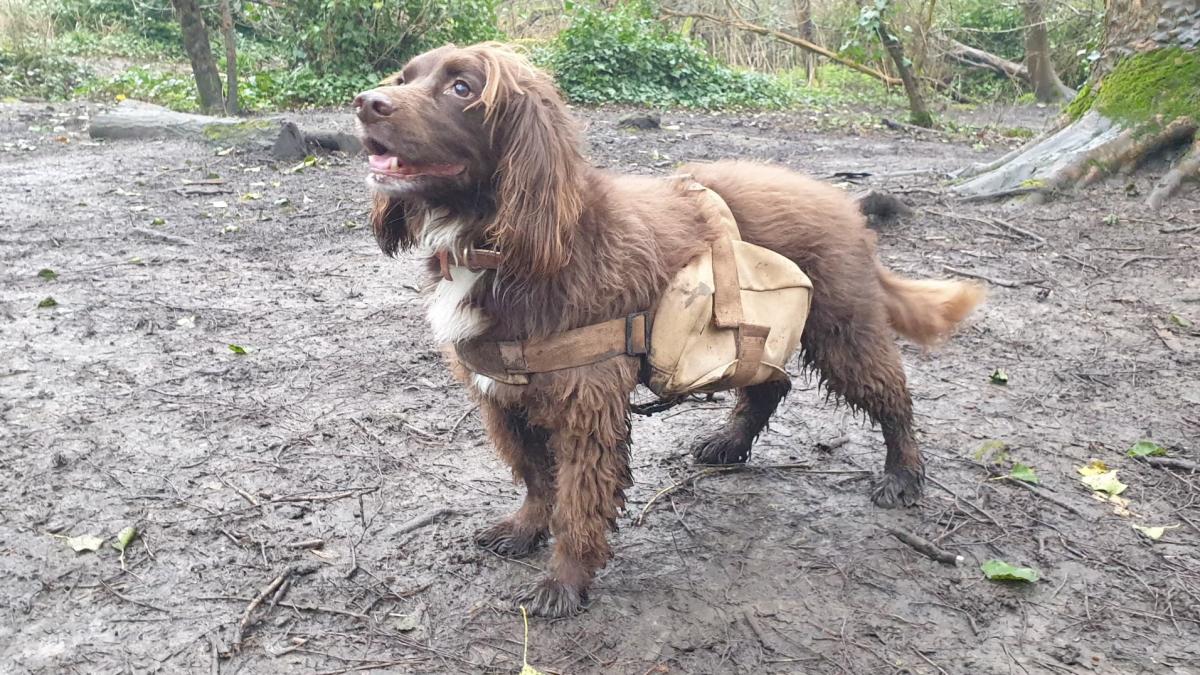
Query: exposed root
<point x="1188" y="167"/>
<point x="1086" y="152"/>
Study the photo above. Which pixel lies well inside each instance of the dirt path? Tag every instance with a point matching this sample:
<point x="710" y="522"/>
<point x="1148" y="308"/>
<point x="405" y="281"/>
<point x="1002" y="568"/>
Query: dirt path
<point x="123" y="404"/>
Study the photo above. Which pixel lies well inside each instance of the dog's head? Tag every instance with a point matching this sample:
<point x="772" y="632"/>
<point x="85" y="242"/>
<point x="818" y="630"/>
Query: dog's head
<point x="474" y="129"/>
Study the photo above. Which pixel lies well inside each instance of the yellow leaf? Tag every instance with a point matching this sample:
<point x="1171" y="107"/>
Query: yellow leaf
<point x="120" y="97"/>
<point x="1120" y="504"/>
<point x="530" y="670"/>
<point x="1105" y="482"/>
<point x="1094" y="468"/>
<point x="1154" y="533"/>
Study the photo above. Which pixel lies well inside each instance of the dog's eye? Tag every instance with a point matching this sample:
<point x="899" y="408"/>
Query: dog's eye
<point x="461" y="89"/>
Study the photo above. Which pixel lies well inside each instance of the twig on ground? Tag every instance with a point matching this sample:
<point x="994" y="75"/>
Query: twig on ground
<point x="1138" y="258"/>
<point x="991" y="280"/>
<point x="1021" y="231"/>
<point x="163" y="236"/>
<point x="925" y="547"/>
<point x="1172" y="463"/>
<point x="130" y="600"/>
<point x="1179" y="230"/>
<point x="710" y="471"/>
<point x="258" y="600"/>
<point x="307" y="544"/>
<point x="268" y="592"/>
<point x="454" y="429"/>
<point x="1049" y="497"/>
<point x="930" y="662"/>
<point x="423" y="520"/>
<point x="245" y="495"/>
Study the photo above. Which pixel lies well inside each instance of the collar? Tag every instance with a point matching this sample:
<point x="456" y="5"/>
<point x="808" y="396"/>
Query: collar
<point x="474" y="259"/>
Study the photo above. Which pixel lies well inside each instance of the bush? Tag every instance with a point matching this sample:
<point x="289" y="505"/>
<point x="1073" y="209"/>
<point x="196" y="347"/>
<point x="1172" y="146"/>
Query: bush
<point x="372" y="36"/>
<point x="623" y="55"/>
<point x="38" y="75"/>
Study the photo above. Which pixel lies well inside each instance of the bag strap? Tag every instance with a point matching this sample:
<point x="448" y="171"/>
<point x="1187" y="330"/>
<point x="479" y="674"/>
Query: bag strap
<point x="727" y="291"/>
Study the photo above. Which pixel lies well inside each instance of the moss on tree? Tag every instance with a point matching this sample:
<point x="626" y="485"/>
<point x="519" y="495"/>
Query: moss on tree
<point x="1162" y="82"/>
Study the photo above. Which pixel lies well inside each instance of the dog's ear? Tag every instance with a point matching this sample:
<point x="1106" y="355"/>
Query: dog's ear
<point x="539" y="176"/>
<point x="389" y="222"/>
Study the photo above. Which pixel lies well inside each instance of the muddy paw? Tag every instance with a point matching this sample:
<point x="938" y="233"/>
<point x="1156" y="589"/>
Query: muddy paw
<point x="507" y="539"/>
<point x="724" y="447"/>
<point x="552" y="598"/>
<point x="902" y="487"/>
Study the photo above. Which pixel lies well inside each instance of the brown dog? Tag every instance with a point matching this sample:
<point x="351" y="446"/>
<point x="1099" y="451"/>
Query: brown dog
<point x="473" y="148"/>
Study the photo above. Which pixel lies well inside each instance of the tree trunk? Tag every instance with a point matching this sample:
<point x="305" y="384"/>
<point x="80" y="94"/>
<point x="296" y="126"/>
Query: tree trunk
<point x="806" y="30"/>
<point x="918" y="110"/>
<point x="1046" y="85"/>
<point x="195" y="43"/>
<point x="231" y="79"/>
<point x="1140" y="100"/>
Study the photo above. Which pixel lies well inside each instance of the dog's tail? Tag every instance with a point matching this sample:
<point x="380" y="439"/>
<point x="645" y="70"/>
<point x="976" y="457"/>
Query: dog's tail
<point x="927" y="311"/>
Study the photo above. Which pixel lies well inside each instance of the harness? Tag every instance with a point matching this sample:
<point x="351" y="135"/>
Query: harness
<point x="513" y="361"/>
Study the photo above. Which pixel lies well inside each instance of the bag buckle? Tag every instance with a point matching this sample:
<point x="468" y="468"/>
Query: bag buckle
<point x="631" y="332"/>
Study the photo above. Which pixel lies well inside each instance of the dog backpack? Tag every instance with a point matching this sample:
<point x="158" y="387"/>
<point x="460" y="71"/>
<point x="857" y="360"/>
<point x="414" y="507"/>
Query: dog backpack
<point x="731" y="318"/>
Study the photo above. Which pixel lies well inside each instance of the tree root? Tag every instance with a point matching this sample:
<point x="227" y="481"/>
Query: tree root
<point x="1188" y="167"/>
<point x="1082" y="154"/>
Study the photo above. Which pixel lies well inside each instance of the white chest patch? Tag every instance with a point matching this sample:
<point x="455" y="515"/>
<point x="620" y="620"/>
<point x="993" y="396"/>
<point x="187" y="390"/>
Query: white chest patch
<point x="448" y="307"/>
<point x="484" y="384"/>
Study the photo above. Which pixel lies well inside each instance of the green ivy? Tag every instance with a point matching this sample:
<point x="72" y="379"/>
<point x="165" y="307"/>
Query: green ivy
<point x="623" y="54"/>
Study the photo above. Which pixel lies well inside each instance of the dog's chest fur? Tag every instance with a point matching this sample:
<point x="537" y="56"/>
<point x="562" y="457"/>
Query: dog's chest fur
<point x="451" y="315"/>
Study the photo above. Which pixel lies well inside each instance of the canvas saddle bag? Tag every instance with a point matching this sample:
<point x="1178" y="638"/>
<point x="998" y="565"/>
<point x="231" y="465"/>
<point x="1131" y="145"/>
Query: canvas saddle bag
<point x="731" y="318"/>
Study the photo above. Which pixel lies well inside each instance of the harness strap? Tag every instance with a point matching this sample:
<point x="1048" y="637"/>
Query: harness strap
<point x="512" y="361"/>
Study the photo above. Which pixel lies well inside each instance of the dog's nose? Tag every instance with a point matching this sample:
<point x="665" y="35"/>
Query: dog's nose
<point x="372" y="105"/>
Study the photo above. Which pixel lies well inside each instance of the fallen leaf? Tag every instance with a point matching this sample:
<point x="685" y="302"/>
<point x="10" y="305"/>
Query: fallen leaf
<point x="1146" y="449"/>
<point x="85" y="542"/>
<point x="1179" y="320"/>
<point x="47" y="302"/>
<point x="219" y="204"/>
<point x="992" y="452"/>
<point x="188" y="321"/>
<point x="124" y="538"/>
<point x="237" y="349"/>
<point x="158" y="221"/>
<point x="998" y="376"/>
<point x="1105" y="482"/>
<point x="1120" y="505"/>
<point x="1023" y="473"/>
<point x="251" y="196"/>
<point x="1154" y="533"/>
<point x="47" y="274"/>
<point x="224" y="151"/>
<point x="1094" y="468"/>
<point x="998" y="570"/>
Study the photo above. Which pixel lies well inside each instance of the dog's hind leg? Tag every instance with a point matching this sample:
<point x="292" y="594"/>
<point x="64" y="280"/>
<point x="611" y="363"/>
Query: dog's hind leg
<point x="851" y="346"/>
<point x="524" y="448"/>
<point x="731" y="444"/>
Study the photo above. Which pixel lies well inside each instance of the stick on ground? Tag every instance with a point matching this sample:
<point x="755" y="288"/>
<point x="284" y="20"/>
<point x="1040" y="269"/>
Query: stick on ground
<point x="423" y="520"/>
<point x="925" y="547"/>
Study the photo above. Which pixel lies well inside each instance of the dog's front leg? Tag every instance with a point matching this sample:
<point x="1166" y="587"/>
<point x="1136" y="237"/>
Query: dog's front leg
<point x="590" y="443"/>
<point x="524" y="448"/>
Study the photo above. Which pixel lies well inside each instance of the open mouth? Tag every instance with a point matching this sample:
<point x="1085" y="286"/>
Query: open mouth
<point x="386" y="165"/>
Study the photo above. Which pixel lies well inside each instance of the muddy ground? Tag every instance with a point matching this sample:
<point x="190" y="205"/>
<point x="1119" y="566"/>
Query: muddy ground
<point x="123" y="404"/>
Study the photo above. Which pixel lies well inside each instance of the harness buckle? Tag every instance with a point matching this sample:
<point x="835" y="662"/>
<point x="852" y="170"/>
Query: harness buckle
<point x="631" y="332"/>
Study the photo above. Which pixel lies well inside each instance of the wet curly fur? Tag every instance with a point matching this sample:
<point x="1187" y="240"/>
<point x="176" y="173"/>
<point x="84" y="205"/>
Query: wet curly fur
<point x="582" y="246"/>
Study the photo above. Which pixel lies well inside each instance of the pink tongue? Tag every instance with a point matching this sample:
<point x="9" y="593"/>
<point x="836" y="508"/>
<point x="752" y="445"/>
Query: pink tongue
<point x="380" y="162"/>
